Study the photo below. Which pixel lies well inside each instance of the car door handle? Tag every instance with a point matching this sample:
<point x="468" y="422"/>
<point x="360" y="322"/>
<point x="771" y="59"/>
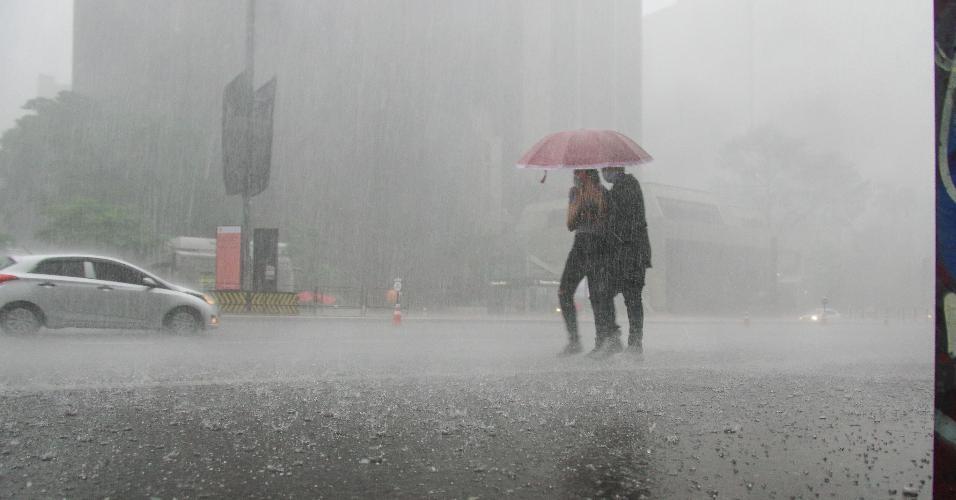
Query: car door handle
<point x="47" y="285"/>
<point x="105" y="288"/>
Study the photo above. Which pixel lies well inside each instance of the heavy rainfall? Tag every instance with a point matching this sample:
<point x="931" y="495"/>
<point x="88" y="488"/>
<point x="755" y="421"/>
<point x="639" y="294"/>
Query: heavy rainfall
<point x="339" y="284"/>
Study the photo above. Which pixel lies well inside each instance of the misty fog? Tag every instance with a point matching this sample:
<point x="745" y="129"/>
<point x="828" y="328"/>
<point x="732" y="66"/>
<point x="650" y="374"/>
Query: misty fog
<point x="415" y="356"/>
<point x="396" y="134"/>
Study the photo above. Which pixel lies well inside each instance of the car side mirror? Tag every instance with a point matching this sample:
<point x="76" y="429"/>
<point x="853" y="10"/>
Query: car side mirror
<point x="150" y="282"/>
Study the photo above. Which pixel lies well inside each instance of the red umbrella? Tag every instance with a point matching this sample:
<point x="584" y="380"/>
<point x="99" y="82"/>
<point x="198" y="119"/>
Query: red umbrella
<point x="583" y="149"/>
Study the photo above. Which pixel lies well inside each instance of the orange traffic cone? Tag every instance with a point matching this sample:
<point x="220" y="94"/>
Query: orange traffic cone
<point x="397" y="315"/>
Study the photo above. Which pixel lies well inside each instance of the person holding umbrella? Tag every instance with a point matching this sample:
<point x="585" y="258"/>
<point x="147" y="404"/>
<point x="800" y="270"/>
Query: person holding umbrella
<point x="630" y="249"/>
<point x="587" y="219"/>
<point x="584" y="150"/>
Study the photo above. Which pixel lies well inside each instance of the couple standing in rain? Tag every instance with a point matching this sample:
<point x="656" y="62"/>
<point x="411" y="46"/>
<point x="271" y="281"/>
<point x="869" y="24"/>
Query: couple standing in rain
<point x="612" y="250"/>
<point x="611" y="247"/>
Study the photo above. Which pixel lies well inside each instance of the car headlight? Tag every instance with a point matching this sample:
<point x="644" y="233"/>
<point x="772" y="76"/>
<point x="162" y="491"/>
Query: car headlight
<point x="814" y="318"/>
<point x="205" y="298"/>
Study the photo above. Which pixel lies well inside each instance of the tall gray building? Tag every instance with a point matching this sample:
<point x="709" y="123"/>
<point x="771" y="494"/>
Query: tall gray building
<point x="397" y="123"/>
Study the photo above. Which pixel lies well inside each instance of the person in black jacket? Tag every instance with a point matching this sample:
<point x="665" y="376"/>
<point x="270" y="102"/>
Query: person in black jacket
<point x="630" y="249"/>
<point x="587" y="218"/>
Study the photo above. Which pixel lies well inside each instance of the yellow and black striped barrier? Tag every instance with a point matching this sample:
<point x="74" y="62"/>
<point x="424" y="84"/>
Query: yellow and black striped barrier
<point x="279" y="303"/>
<point x="230" y="298"/>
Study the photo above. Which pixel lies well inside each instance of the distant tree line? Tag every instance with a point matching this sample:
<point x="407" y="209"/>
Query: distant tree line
<point x="81" y="174"/>
<point x="853" y="238"/>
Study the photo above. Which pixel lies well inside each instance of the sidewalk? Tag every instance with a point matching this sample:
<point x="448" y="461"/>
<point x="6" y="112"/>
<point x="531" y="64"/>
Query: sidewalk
<point x="385" y="315"/>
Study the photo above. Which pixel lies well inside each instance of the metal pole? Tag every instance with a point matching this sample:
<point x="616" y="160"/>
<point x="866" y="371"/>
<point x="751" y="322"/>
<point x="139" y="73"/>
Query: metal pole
<point x="250" y="36"/>
<point x="246" y="235"/>
<point x="246" y="254"/>
<point x="753" y="65"/>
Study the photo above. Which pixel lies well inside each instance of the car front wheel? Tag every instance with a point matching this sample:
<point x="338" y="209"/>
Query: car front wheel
<point x="183" y="321"/>
<point x="20" y="320"/>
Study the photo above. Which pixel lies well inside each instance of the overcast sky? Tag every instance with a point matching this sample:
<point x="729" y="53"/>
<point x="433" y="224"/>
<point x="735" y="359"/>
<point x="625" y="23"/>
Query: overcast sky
<point x="36" y="37"/>
<point x="849" y="77"/>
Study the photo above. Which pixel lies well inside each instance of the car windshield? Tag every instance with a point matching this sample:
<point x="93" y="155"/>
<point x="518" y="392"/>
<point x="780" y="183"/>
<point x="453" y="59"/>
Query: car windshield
<point x="6" y="262"/>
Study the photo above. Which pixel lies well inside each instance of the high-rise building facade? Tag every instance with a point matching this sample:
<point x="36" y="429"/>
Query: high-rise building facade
<point x="397" y="123"/>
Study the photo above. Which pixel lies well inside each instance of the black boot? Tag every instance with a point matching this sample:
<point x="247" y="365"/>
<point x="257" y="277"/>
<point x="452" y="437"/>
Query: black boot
<point x="573" y="347"/>
<point x="635" y="346"/>
<point x="606" y="346"/>
<point x="612" y="345"/>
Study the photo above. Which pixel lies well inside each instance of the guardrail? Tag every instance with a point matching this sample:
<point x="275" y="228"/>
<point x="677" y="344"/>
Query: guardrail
<point x="900" y="314"/>
<point x="279" y="303"/>
<point x="329" y="298"/>
<point x="315" y="301"/>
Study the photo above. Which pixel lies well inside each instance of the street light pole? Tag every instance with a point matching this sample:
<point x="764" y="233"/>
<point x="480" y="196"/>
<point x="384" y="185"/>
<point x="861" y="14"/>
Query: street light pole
<point x="246" y="234"/>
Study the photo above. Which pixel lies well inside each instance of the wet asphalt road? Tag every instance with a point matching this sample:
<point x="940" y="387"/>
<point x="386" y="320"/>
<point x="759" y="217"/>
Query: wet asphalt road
<point x="342" y="408"/>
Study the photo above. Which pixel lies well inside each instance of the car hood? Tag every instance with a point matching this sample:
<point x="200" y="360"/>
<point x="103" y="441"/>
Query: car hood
<point x="180" y="288"/>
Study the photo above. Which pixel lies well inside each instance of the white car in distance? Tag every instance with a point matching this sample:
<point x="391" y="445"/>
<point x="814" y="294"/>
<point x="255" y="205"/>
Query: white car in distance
<point x="86" y="291"/>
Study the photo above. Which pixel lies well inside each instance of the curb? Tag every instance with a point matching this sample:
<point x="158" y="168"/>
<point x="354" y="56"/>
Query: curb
<point x="386" y="318"/>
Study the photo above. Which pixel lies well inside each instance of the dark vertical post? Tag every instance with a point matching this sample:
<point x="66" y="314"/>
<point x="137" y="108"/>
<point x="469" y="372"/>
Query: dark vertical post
<point x="364" y="292"/>
<point x="265" y="261"/>
<point x="246" y="256"/>
<point x="774" y="279"/>
<point x="753" y="64"/>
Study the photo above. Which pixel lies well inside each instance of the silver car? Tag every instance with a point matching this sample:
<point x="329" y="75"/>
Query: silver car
<point x="85" y="291"/>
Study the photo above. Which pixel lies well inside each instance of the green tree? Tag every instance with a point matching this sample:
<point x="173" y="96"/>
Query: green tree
<point x="808" y="202"/>
<point x="73" y="147"/>
<point x="91" y="224"/>
<point x="792" y="187"/>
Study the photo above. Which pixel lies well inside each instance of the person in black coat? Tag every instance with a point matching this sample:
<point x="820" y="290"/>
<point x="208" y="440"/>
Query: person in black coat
<point x="630" y="249"/>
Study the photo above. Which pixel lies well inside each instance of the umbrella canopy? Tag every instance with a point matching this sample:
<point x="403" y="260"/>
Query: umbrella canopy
<point x="583" y="149"/>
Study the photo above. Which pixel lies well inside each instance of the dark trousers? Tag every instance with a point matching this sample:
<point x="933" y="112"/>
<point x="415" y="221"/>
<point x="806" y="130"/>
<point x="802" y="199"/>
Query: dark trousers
<point x="628" y="274"/>
<point x="588" y="258"/>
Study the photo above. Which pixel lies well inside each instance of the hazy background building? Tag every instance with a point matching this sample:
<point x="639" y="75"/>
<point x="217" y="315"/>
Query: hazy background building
<point x="397" y="123"/>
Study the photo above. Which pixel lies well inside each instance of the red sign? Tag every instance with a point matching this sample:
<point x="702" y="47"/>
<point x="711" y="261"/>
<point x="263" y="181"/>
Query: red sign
<point x="228" y="258"/>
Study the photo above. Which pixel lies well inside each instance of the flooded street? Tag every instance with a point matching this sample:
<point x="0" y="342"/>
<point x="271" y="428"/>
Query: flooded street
<point x="464" y="408"/>
<point x="302" y="174"/>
